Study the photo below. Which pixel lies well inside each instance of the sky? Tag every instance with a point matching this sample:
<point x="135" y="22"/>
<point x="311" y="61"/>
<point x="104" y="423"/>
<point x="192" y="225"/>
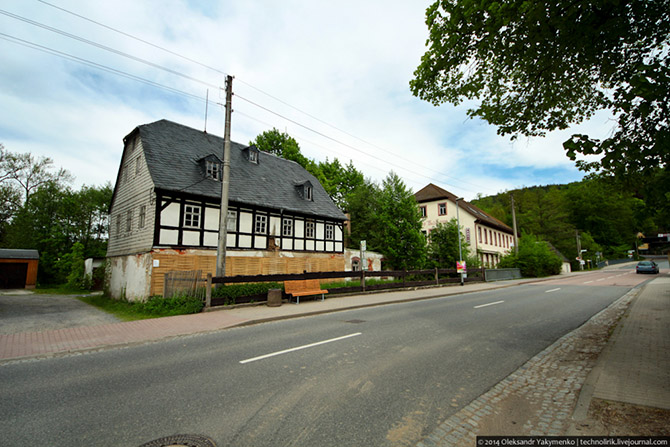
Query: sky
<point x="77" y="76"/>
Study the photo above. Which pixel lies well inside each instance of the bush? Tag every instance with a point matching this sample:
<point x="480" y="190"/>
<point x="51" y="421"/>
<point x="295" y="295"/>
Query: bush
<point x="535" y="258"/>
<point x="177" y="305"/>
<point x="234" y="291"/>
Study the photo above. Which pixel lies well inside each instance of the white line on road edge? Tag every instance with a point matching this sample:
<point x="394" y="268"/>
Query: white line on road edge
<point x="588" y="282"/>
<point x="489" y="304"/>
<point x="298" y="348"/>
<point x="552" y="290"/>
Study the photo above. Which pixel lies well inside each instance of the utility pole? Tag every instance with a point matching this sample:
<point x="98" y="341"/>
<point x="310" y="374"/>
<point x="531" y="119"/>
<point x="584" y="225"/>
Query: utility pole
<point x="458" y="223"/>
<point x="579" y="250"/>
<point x="225" y="182"/>
<point x="516" y="238"/>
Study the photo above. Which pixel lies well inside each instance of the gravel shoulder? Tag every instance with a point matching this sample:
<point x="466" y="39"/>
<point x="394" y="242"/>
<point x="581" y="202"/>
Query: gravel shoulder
<point x="22" y="311"/>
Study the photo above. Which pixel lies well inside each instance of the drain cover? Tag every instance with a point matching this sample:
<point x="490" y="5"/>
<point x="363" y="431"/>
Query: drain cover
<point x="181" y="441"/>
<point x="355" y="321"/>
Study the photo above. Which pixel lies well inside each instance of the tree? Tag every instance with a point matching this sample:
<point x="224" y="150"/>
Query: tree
<point x="280" y="144"/>
<point x="443" y="245"/>
<point x="398" y="222"/>
<point x="538" y="66"/>
<point x="535" y="258"/>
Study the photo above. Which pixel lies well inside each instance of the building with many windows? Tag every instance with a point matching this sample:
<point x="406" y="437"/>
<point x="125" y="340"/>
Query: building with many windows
<point x="488" y="237"/>
<point x="166" y="205"/>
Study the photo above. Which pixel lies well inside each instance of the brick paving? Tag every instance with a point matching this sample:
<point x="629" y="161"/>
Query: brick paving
<point x="549" y="386"/>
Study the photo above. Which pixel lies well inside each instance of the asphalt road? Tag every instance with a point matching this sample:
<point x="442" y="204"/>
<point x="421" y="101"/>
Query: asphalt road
<point x="29" y="312"/>
<point x="382" y="376"/>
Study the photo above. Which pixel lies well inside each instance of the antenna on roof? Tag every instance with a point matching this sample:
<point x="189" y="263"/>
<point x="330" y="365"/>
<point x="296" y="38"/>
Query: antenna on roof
<point x="206" y="105"/>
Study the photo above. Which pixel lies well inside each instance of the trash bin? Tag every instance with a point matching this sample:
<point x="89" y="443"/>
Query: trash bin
<point x="274" y="297"/>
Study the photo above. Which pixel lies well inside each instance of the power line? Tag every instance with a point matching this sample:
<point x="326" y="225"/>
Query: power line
<point x="104" y="47"/>
<point x="134" y="37"/>
<point x="257" y="89"/>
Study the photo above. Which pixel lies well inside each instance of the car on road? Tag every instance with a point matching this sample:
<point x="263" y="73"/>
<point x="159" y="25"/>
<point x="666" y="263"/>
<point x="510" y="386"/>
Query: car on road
<point x="646" y="267"/>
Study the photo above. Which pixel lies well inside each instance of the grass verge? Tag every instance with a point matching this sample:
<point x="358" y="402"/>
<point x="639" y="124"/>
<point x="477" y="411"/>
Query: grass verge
<point x="154" y="307"/>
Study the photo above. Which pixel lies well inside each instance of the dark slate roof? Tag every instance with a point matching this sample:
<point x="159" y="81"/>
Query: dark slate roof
<point x="433" y="192"/>
<point x="173" y="152"/>
<point x="9" y="253"/>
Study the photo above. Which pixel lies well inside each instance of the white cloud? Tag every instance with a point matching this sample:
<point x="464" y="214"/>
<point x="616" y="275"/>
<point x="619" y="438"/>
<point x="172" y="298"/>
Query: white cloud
<point x="347" y="63"/>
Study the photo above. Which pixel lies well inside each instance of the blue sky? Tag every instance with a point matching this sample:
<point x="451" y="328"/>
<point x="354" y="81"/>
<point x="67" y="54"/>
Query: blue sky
<point x="333" y="74"/>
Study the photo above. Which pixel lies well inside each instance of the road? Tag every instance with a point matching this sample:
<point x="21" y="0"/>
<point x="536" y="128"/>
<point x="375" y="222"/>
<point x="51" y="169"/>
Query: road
<point x="382" y="376"/>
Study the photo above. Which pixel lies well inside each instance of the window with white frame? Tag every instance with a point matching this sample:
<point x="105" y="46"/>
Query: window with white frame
<point x="192" y="216"/>
<point x="330" y="232"/>
<point x="467" y="235"/>
<point x="213" y="170"/>
<point x="422" y="209"/>
<point x="308" y="192"/>
<point x="261" y="226"/>
<point x="442" y="209"/>
<point x="231" y="222"/>
<point x="287" y="227"/>
<point x="309" y="229"/>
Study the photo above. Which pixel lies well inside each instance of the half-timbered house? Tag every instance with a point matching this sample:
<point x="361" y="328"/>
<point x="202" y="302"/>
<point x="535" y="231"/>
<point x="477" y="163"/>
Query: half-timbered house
<point x="166" y="202"/>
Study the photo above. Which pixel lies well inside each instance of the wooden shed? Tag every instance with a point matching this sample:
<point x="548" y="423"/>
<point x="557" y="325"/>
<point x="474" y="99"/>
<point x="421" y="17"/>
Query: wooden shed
<point x="18" y="268"/>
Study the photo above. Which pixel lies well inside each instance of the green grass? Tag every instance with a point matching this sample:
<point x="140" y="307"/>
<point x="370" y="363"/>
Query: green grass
<point x="154" y="307"/>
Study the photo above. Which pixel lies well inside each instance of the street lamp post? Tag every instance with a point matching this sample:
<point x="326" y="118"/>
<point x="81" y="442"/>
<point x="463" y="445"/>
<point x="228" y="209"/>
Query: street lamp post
<point x="458" y="223"/>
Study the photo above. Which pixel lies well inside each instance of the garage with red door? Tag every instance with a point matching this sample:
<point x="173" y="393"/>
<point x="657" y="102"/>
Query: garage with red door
<point x="18" y="268"/>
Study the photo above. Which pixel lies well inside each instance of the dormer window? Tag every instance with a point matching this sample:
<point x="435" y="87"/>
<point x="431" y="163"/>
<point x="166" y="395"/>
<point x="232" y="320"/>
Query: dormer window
<point x="213" y="170"/>
<point x="306" y="191"/>
<point x="252" y="154"/>
<point x="211" y="167"/>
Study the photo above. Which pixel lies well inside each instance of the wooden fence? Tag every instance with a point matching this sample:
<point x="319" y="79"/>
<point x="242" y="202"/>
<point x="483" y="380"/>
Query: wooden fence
<point x="189" y="283"/>
<point x="402" y="279"/>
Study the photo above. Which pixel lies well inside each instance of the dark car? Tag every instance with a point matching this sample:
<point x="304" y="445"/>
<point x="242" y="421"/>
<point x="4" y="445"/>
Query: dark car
<point x="646" y="267"/>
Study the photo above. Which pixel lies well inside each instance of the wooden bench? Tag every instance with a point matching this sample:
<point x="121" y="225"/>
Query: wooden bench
<point x="304" y="287"/>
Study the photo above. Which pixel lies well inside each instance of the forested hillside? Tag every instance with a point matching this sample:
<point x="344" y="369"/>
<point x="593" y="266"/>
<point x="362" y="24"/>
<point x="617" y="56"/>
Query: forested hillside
<point x="605" y="214"/>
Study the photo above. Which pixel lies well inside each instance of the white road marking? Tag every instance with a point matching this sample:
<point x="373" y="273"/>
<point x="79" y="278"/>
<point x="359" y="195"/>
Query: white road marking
<point x="489" y="304"/>
<point x="601" y="279"/>
<point x="588" y="282"/>
<point x="298" y="348"/>
<point x="552" y="290"/>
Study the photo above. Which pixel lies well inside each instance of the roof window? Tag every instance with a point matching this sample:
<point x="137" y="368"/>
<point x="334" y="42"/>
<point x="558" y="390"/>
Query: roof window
<point x="252" y="154"/>
<point x="305" y="191"/>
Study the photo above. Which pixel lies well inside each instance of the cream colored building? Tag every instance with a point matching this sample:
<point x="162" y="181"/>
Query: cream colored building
<point x="488" y="237"/>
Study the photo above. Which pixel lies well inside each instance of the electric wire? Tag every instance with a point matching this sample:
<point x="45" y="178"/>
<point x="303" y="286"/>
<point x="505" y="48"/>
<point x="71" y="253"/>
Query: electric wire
<point x="209" y="67"/>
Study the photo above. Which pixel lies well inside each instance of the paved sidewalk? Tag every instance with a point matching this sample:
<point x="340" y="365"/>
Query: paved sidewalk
<point x="67" y="340"/>
<point x="635" y="366"/>
<point x="552" y="392"/>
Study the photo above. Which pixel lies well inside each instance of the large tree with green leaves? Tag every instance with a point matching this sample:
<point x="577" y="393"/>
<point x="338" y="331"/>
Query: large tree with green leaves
<point x="536" y="66"/>
<point x="398" y="222"/>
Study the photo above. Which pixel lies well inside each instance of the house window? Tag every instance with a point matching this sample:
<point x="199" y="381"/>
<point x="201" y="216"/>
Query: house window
<point x="442" y="209"/>
<point x="143" y="215"/>
<point x="261" y="222"/>
<point x="129" y="221"/>
<point x="479" y="233"/>
<point x="308" y="192"/>
<point x="118" y="225"/>
<point x="213" y="170"/>
<point x="287" y="227"/>
<point x="253" y="156"/>
<point x="309" y="229"/>
<point x="231" y="222"/>
<point x="330" y="232"/>
<point x="423" y="211"/>
<point x="138" y="164"/>
<point x="467" y="235"/>
<point x="486" y="238"/>
<point x="192" y="216"/>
